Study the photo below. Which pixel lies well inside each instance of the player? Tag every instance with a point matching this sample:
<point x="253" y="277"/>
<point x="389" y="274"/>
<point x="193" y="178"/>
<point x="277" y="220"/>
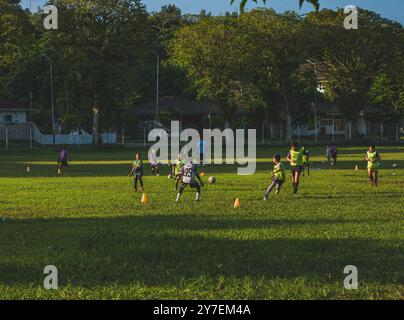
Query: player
<point x="278" y="176"/>
<point x="373" y="159"/>
<point x="328" y="153"/>
<point x="63" y="160"/>
<point x="188" y="174"/>
<point x="306" y="160"/>
<point x="334" y="154"/>
<point x="295" y="158"/>
<point x="137" y="172"/>
<point x="154" y="163"/>
<point x="177" y="171"/>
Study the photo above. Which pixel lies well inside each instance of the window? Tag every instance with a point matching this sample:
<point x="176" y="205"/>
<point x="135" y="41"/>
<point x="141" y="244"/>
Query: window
<point x="339" y="125"/>
<point x="326" y="123"/>
<point x="8" y="118"/>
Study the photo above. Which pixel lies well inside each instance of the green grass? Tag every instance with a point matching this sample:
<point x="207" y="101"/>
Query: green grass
<point x="107" y="245"/>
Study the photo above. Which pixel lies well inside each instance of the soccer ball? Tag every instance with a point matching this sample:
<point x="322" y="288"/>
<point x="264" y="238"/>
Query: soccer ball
<point x="395" y="165"/>
<point x="212" y="180"/>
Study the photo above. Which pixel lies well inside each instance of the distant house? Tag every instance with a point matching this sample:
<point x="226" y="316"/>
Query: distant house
<point x="331" y="121"/>
<point x="12" y="112"/>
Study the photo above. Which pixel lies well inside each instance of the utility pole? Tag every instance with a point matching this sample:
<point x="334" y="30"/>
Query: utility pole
<point x="315" y="100"/>
<point x="52" y="98"/>
<point x="157" y="85"/>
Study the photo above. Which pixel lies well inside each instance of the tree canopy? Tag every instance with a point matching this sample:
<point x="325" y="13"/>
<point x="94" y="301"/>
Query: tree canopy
<point x="249" y="65"/>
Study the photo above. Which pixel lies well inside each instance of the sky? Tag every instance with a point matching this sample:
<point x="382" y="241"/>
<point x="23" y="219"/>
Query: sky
<point x="391" y="9"/>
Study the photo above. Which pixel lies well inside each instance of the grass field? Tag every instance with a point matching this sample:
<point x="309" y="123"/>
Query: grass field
<point x="107" y="245"/>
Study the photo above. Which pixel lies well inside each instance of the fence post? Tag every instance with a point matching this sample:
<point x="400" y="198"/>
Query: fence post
<point x="6" y="138"/>
<point x="30" y="137"/>
<point x="263" y="134"/>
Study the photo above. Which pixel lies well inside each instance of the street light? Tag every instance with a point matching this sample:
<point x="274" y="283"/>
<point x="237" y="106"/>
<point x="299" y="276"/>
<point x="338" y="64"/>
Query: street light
<point x="315" y="100"/>
<point x="52" y="99"/>
<point x="157" y="85"/>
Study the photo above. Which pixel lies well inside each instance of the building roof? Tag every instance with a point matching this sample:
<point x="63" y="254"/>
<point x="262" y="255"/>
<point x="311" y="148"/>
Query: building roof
<point x="172" y="104"/>
<point x="10" y="105"/>
<point x="327" y="108"/>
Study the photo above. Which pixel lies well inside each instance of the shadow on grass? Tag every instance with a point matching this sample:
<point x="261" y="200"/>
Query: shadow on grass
<point x="156" y="250"/>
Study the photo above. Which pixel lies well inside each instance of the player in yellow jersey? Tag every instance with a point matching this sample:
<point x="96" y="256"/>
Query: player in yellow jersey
<point x="278" y="176"/>
<point x="295" y="158"/>
<point x="373" y="159"/>
<point x="137" y="172"/>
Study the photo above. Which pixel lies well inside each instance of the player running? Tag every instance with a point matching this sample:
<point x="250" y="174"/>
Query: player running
<point x="177" y="170"/>
<point x="373" y="159"/>
<point x="137" y="172"/>
<point x="188" y="174"/>
<point x="278" y="176"/>
<point x="295" y="158"/>
<point x="306" y="160"/>
<point x="63" y="160"/>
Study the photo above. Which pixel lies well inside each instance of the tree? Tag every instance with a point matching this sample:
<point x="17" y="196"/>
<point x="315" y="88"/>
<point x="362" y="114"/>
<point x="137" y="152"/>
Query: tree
<point x="355" y="58"/>
<point x="210" y="54"/>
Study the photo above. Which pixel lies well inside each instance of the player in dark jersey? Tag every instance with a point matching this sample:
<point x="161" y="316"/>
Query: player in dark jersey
<point x="63" y="160"/>
<point x="190" y="177"/>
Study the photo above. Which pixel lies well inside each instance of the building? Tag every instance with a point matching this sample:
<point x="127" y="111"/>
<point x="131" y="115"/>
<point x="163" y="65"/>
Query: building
<point x="12" y="112"/>
<point x="190" y="113"/>
<point x="332" y="123"/>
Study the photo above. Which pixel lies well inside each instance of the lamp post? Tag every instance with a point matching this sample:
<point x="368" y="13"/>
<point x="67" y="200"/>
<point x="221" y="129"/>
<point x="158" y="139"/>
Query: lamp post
<point x="157" y="85"/>
<point x="52" y="99"/>
<point x="315" y="101"/>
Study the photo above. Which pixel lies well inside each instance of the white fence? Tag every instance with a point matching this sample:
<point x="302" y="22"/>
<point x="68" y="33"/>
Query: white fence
<point x="30" y="132"/>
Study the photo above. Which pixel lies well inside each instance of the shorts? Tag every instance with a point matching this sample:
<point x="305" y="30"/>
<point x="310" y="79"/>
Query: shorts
<point x="278" y="182"/>
<point x="297" y="169"/>
<point x="64" y="164"/>
<point x="193" y="185"/>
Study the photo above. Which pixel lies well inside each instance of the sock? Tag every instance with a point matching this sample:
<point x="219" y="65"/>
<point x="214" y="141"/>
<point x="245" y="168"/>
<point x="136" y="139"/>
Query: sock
<point x="178" y="197"/>
<point x="198" y="196"/>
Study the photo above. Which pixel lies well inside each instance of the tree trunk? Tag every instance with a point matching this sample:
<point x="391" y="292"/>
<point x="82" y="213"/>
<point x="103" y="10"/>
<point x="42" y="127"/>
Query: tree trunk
<point x="288" y="116"/>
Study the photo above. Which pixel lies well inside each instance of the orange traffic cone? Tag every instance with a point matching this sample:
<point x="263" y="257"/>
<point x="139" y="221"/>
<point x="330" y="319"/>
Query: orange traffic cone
<point x="202" y="174"/>
<point x="237" y="203"/>
<point x="144" y="199"/>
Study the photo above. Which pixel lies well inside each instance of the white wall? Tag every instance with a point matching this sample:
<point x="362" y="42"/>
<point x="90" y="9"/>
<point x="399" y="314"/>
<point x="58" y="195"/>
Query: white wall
<point x="18" y="116"/>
